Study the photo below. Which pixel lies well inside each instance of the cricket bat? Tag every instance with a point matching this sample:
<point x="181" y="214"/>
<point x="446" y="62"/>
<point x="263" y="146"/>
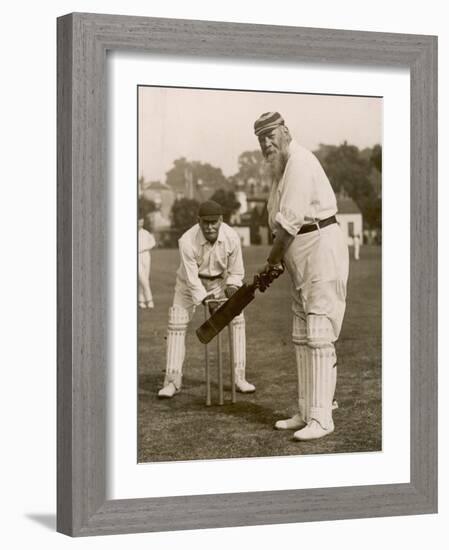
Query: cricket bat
<point x="225" y="313"/>
<point x="236" y="304"/>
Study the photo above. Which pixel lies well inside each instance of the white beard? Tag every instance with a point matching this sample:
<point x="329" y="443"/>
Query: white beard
<point x="276" y="166"/>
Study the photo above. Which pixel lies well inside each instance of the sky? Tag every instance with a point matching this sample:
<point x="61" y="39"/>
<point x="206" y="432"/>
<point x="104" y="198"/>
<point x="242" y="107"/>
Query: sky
<point x="216" y="126"/>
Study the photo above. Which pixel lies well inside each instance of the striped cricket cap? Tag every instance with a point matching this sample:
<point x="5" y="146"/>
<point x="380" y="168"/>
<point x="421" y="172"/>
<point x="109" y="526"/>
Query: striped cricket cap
<point x="267" y="122"/>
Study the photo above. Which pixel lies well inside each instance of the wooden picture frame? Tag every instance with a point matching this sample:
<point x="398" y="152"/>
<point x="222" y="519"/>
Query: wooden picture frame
<point x="83" y="40"/>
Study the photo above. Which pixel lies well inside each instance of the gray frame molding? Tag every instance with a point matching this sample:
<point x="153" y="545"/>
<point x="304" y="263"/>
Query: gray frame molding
<point x="83" y="40"/>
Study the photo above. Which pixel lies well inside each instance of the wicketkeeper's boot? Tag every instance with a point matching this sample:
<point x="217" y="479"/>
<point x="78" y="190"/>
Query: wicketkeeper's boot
<point x="168" y="391"/>
<point x="243" y="386"/>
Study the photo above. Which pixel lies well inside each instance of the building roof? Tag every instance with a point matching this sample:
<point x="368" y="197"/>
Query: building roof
<point x="346" y="205"/>
<point x="156" y="186"/>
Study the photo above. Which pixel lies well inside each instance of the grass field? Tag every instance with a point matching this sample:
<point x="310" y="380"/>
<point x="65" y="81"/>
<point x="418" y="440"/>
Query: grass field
<point x="183" y="428"/>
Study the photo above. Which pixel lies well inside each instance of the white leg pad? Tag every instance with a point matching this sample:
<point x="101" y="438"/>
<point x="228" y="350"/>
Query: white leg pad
<point x="300" y="419"/>
<point x="239" y="346"/>
<point x="304" y="381"/>
<point x="320" y="331"/>
<point x="299" y="331"/>
<point x="322" y="385"/>
<point x="178" y="319"/>
<point x="299" y="337"/>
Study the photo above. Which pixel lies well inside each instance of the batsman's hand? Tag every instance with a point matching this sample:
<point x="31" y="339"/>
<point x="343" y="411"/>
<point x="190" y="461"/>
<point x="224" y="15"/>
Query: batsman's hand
<point x="267" y="275"/>
<point x="230" y="290"/>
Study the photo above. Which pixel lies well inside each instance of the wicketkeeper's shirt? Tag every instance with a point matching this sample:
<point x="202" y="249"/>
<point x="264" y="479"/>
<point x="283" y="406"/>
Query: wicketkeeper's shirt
<point x="200" y="258"/>
<point x="303" y="195"/>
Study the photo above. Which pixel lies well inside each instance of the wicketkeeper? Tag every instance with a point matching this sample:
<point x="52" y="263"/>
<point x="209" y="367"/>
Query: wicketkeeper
<point x="211" y="267"/>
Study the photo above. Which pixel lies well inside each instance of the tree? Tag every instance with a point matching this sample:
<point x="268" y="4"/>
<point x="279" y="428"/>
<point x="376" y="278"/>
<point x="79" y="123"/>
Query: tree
<point x="195" y="179"/>
<point x="252" y="174"/>
<point x="184" y="213"/>
<point x="145" y="208"/>
<point x="349" y="170"/>
<point x="176" y="176"/>
<point x="228" y="201"/>
<point x="376" y="157"/>
<point x="250" y="165"/>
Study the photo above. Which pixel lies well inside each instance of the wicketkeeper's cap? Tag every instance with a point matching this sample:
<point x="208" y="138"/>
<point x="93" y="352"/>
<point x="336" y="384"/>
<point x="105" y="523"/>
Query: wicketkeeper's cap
<point x="210" y="209"/>
<point x="267" y="122"/>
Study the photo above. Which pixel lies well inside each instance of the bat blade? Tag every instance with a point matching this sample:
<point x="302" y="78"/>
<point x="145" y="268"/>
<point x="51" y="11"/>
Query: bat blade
<point x="224" y="314"/>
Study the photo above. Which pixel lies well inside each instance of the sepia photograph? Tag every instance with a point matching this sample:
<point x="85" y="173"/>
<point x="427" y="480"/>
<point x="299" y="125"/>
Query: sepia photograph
<point x="259" y="269"/>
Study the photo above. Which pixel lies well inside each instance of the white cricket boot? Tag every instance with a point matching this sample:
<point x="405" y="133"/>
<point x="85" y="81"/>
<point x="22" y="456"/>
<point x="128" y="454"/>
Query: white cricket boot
<point x="168" y="391"/>
<point x="313" y="430"/>
<point x="239" y="352"/>
<point x="243" y="386"/>
<point x="292" y="423"/>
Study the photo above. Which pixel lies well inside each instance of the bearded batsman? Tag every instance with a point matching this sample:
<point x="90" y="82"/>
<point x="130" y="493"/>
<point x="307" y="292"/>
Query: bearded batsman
<point x="309" y="243"/>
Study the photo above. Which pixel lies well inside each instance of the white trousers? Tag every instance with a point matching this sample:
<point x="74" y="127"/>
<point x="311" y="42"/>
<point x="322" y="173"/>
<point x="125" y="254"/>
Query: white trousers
<point x="318" y="264"/>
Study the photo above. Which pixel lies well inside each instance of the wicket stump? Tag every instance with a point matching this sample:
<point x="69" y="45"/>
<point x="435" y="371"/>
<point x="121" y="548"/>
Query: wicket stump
<point x="219" y="363"/>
